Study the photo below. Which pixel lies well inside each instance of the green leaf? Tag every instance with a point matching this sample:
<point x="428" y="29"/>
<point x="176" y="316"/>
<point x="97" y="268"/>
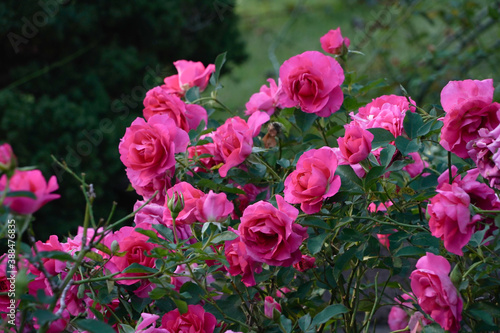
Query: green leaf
<point x="304" y="120"/>
<point x="412" y="123"/>
<point x="351" y="235"/>
<point x="328" y="313"/>
<point x="285" y="276"/>
<point x="138" y="268"/>
<point x="305" y="322"/>
<point x="94" y="256"/>
<point x="432" y="328"/>
<point x="314" y="244"/>
<point x="44" y="316"/>
<point x="380" y="137"/>
<point x="94" y="326"/>
<point x="194" y="290"/>
<point x="406" y="146"/>
<point x="26" y="194"/>
<point x="193" y="94"/>
<point x="386" y="155"/>
<point x="59" y="255"/>
<point x="225" y="236"/>
<point x="312" y="221"/>
<point x="286" y="323"/>
<point x="374" y="173"/>
<point x="347" y="172"/>
<point x="164" y="231"/>
<point x="283" y="163"/>
<point x="181" y="305"/>
<point x="410" y="251"/>
<point x="219" y="62"/>
<point x="126" y="329"/>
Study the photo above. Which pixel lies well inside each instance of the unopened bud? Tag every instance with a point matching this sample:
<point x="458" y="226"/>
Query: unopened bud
<point x="115" y="246"/>
<point x="8" y="160"/>
<point x="456" y="276"/>
<point x="175" y="204"/>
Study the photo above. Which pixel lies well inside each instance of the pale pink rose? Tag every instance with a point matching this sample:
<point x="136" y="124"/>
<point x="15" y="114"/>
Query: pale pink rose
<point x="213" y="207"/>
<point x="240" y="263"/>
<point x="148" y="148"/>
<point x="271" y="235"/>
<point x="435" y="293"/>
<point x="136" y="249"/>
<point x="188" y="215"/>
<point x="270" y="305"/>
<point x="267" y="99"/>
<point x="469" y="107"/>
<point x="151" y="213"/>
<point x="418" y="165"/>
<point x="234" y="140"/>
<point x="196" y="320"/>
<point x="313" y="180"/>
<point x="485" y="151"/>
<point x="30" y="181"/>
<point x="333" y="42"/>
<point x="306" y="263"/>
<point x="191" y="74"/>
<point x="312" y="81"/>
<point x="186" y="116"/>
<point x="356" y="144"/>
<point x="148" y="324"/>
<point x="7" y="158"/>
<point x="75" y="244"/>
<point x="387" y="112"/>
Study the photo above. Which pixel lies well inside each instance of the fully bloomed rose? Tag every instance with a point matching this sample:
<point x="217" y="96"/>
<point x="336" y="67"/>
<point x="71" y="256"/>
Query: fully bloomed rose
<point x="436" y="294"/>
<point x="333" y="42"/>
<point x="356" y="144"/>
<point x="311" y="81"/>
<point x="313" y="180"/>
<point x="195" y="320"/>
<point x="213" y="207"/>
<point x="469" y="107"/>
<point x="234" y="140"/>
<point x="186" y="116"/>
<point x="188" y="214"/>
<point x="148" y="148"/>
<point x="267" y="99"/>
<point x="190" y="74"/>
<point x="387" y="112"/>
<point x="30" y="181"/>
<point x="271" y="235"/>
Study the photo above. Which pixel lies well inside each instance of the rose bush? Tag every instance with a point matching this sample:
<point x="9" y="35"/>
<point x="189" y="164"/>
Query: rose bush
<point x="310" y="215"/>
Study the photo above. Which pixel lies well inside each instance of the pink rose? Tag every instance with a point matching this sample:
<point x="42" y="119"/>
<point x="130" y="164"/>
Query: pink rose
<point x="313" y="180"/>
<point x="196" y="320"/>
<point x="417" y="166"/>
<point x="31" y="181"/>
<point x="7" y="158"/>
<point x="485" y="151"/>
<point x="151" y="213"/>
<point x="186" y="116"/>
<point x="469" y="107"/>
<point x="188" y="214"/>
<point x="267" y="99"/>
<point x="271" y="235"/>
<point x="148" y="324"/>
<point x="387" y="112"/>
<point x="306" y="263"/>
<point x="243" y="200"/>
<point x="356" y="144"/>
<point x="136" y="249"/>
<point x="213" y="207"/>
<point x="436" y="294"/>
<point x="148" y="148"/>
<point x="207" y="162"/>
<point x="333" y="42"/>
<point x="240" y="263"/>
<point x="191" y="74"/>
<point x="398" y="316"/>
<point x="311" y="81"/>
<point x="53" y="266"/>
<point x="234" y="140"/>
<point x="159" y="183"/>
<point x="270" y="305"/>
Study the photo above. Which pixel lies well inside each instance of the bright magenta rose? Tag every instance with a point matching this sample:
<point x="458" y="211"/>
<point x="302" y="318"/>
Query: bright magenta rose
<point x="356" y="144"/>
<point x="186" y="116"/>
<point x="191" y="74"/>
<point x="188" y="214"/>
<point x="387" y="112"/>
<point x="333" y="42"/>
<point x="267" y="99"/>
<point x="469" y="107"/>
<point x="271" y="235"/>
<point x="136" y="249"/>
<point x="234" y="140"/>
<point x="7" y="158"/>
<point x="148" y="148"/>
<point x="196" y="320"/>
<point x="306" y="263"/>
<point x="435" y="292"/>
<point x="240" y="263"/>
<point x="313" y="180"/>
<point x="213" y="207"/>
<point x="31" y="181"/>
<point x="311" y="81"/>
